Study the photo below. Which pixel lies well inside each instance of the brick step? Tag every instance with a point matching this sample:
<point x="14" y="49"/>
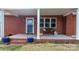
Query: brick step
<point x="18" y="41"/>
<point x="23" y="41"/>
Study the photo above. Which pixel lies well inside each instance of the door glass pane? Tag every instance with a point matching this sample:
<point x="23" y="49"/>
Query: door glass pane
<point x="30" y="26"/>
<point x="30" y="22"/>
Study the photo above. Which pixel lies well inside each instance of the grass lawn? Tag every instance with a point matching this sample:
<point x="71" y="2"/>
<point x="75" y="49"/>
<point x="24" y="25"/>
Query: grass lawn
<point x="40" y="47"/>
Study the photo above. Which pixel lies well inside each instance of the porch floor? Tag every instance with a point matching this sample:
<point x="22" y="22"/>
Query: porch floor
<point x="24" y="36"/>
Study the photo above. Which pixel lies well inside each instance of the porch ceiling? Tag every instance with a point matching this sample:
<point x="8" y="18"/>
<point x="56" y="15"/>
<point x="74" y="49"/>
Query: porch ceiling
<point x="56" y="11"/>
<point x="20" y="12"/>
<point x="42" y="11"/>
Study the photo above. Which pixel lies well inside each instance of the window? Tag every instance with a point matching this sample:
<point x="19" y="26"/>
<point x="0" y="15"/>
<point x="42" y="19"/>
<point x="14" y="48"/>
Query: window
<point x="48" y="23"/>
<point x="47" y="20"/>
<point x="41" y="22"/>
<point x="53" y="23"/>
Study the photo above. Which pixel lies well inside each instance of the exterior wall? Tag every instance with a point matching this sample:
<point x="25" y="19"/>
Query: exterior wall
<point x="16" y="25"/>
<point x="13" y="25"/>
<point x="64" y="25"/>
<point x="24" y="19"/>
<point x="70" y="24"/>
<point x="59" y="23"/>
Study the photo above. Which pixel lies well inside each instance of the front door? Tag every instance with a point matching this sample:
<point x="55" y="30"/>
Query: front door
<point x="29" y="25"/>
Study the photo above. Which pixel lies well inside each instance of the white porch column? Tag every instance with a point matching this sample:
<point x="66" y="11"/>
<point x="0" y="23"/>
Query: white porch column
<point x="1" y="23"/>
<point x="38" y="23"/>
<point x="77" y="24"/>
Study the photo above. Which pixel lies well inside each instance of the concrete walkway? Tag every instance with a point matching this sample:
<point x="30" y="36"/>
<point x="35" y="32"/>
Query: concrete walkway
<point x="23" y="36"/>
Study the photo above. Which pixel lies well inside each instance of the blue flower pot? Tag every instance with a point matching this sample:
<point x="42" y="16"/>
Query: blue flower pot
<point x="30" y="39"/>
<point x="5" y="40"/>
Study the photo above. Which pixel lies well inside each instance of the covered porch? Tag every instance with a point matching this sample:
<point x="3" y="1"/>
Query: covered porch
<point x="47" y="24"/>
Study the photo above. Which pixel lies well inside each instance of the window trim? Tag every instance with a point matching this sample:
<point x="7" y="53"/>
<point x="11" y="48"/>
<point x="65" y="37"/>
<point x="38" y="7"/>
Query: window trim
<point x="50" y="22"/>
<point x="33" y="23"/>
<point x="55" y="22"/>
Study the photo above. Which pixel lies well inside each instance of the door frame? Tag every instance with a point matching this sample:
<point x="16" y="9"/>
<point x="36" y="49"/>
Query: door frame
<point x="26" y="23"/>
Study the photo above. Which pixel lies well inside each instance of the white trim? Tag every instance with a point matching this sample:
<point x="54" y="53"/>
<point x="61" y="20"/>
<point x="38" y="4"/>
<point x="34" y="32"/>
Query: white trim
<point x="74" y="13"/>
<point x="33" y="23"/>
<point x="56" y="22"/>
<point x="77" y="25"/>
<point x="38" y="23"/>
<point x="67" y="13"/>
<point x="44" y="23"/>
<point x="50" y="22"/>
<point x="70" y="12"/>
<point x="2" y="23"/>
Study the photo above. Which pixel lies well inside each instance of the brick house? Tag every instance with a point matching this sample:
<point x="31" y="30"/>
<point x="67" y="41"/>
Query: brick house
<point x="40" y="22"/>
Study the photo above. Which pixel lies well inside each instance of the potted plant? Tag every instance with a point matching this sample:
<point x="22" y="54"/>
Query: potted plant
<point x="30" y="39"/>
<point x="6" y="40"/>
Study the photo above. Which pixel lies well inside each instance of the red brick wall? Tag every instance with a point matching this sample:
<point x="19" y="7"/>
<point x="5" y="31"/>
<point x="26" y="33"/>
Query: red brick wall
<point x="64" y="25"/>
<point x="59" y="23"/>
<point x="74" y="24"/>
<point x="70" y="24"/>
<point x="24" y="18"/>
<point x="16" y="25"/>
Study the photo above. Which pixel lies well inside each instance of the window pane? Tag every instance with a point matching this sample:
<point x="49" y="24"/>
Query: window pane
<point x="47" y="24"/>
<point x="41" y="24"/>
<point x="53" y="20"/>
<point x="41" y="20"/>
<point x="53" y="25"/>
<point x="47" y="20"/>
